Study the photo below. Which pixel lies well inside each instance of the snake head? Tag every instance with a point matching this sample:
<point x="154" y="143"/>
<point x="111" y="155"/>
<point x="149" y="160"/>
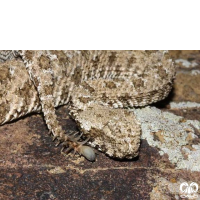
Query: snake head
<point x="87" y="152"/>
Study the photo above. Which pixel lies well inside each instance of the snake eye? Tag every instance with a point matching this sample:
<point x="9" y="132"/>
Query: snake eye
<point x="87" y="152"/>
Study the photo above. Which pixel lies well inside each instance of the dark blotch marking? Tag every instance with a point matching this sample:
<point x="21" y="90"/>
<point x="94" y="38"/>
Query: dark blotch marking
<point x="85" y="54"/>
<point x="48" y="90"/>
<point x="162" y="73"/>
<point x="88" y="87"/>
<point x="4" y="73"/>
<point x="77" y="75"/>
<point x="110" y="85"/>
<point x="85" y="99"/>
<point x="29" y="55"/>
<point x="4" y="109"/>
<point x="138" y="83"/>
<point x="44" y="62"/>
<point x="131" y="60"/>
<point x="112" y="58"/>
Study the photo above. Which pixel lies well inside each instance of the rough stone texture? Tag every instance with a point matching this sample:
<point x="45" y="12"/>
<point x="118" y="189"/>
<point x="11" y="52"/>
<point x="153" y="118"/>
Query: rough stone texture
<point x="33" y="168"/>
<point x="172" y="135"/>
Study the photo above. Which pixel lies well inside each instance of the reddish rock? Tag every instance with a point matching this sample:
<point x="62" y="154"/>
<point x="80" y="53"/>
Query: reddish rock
<point x="33" y="168"/>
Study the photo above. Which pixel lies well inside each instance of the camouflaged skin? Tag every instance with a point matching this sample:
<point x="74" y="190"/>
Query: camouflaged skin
<point x="97" y="84"/>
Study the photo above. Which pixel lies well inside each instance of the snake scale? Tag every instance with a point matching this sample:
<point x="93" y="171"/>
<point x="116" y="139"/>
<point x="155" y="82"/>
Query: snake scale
<point x="98" y="85"/>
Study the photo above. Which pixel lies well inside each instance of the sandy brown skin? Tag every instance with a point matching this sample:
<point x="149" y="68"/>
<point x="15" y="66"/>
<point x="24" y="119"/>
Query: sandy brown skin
<point x="97" y="84"/>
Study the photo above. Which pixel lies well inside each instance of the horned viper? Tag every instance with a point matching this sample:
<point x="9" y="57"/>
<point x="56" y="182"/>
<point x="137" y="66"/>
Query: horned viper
<point x="98" y="85"/>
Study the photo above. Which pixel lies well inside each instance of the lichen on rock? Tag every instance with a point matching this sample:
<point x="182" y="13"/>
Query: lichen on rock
<point x="172" y="135"/>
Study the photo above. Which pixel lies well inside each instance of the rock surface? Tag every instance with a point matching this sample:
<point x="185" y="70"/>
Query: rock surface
<point x="33" y="168"/>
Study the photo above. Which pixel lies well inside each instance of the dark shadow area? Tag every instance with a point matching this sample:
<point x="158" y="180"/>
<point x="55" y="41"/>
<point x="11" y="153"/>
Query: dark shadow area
<point x="164" y="104"/>
<point x="22" y="117"/>
<point x="124" y="160"/>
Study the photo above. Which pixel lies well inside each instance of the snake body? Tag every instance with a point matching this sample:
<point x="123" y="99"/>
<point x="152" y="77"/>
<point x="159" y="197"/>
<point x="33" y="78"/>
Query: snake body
<point x="98" y="85"/>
